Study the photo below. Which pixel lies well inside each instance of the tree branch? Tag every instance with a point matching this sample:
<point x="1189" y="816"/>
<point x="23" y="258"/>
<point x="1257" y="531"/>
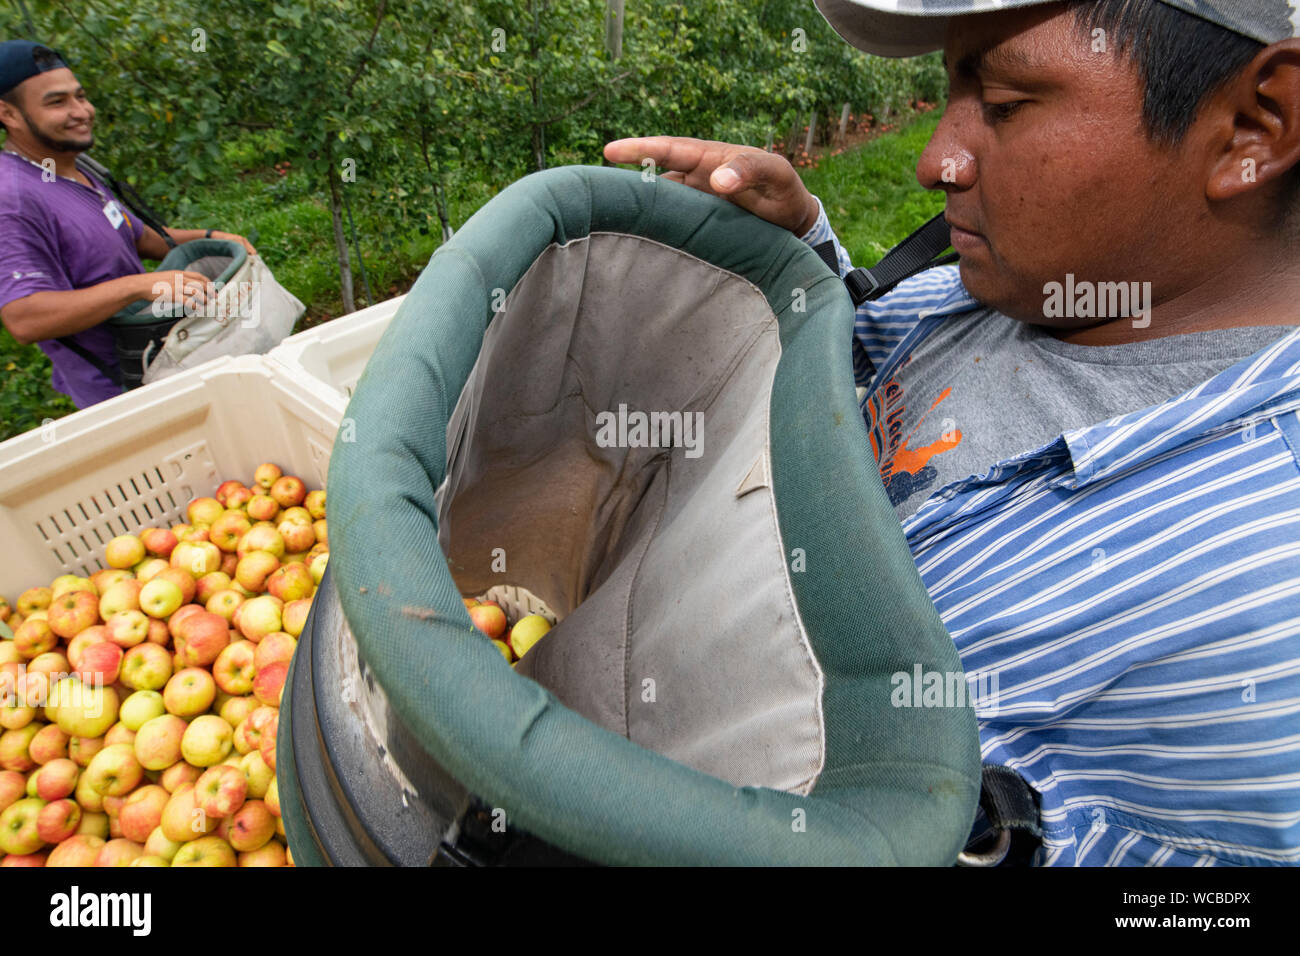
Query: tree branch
<point x="112" y="55"/>
<point x="584" y="101"/>
<point x="383" y="10"/>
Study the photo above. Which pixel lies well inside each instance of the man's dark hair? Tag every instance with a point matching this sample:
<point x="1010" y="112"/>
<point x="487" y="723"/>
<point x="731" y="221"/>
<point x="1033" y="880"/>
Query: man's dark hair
<point x="1182" y="60"/>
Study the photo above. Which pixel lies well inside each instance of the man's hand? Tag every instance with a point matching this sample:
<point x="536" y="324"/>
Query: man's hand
<point x="48" y="315"/>
<point x="195" y="288"/>
<point x="152" y="246"/>
<point x="230" y="235"/>
<point x="754" y="179"/>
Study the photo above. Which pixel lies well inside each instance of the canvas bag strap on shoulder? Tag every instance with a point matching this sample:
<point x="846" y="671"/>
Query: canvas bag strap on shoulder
<point x="114" y="375"/>
<point x="128" y="195"/>
<point x="918" y="252"/>
<point x="914" y="254"/>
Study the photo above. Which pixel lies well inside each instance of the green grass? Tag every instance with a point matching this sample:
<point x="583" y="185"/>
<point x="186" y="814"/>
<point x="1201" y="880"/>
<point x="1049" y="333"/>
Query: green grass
<point x="26" y="397"/>
<point x="870" y="194"/>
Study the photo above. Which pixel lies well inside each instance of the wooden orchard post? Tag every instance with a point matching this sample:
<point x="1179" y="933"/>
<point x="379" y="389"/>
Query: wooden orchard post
<point x="614" y="28"/>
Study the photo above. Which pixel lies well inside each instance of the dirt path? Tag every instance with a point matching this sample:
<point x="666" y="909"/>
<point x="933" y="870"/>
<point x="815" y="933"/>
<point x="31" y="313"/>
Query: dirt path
<point x="862" y="128"/>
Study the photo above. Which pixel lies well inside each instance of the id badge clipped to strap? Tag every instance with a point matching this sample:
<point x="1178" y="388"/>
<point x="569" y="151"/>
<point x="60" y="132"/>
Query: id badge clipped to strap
<point x="113" y="213"/>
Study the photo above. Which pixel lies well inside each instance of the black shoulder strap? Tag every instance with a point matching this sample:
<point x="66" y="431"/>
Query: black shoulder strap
<point x="128" y="195"/>
<point x="914" y="254"/>
<point x="113" y="374"/>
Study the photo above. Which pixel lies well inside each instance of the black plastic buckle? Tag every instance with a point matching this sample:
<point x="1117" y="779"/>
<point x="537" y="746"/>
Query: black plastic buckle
<point x="862" y="285"/>
<point x="476" y="839"/>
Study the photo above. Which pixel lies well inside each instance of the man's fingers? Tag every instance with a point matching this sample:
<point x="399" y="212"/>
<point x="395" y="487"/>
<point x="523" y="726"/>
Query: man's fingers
<point x="246" y="244"/>
<point x="195" y="287"/>
<point x="637" y="148"/>
<point x="679" y="153"/>
<point x="619" y="151"/>
<point x="754" y="179"/>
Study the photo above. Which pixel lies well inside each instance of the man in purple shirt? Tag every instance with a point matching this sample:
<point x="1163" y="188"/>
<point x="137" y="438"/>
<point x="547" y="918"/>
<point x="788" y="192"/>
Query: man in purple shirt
<point x="69" y="249"/>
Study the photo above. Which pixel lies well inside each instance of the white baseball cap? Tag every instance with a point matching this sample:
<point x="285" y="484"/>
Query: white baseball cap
<point x="912" y="27"/>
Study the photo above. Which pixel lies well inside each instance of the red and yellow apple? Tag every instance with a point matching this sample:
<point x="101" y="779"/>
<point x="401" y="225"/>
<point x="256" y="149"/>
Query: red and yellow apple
<point x="254" y="568"/>
<point x="146" y="667"/>
<point x="221" y="790"/>
<point x="236" y="667"/>
<point x="160" y="598"/>
<point x="80" y="850"/>
<point x="124" y="551"/>
<point x="72" y="612"/>
<point x="158" y="542"/>
<point x="207" y="741"/>
<point x="204" y="510"/>
<point x="120" y="597"/>
<point x="189" y="692"/>
<point x="59" y="820"/>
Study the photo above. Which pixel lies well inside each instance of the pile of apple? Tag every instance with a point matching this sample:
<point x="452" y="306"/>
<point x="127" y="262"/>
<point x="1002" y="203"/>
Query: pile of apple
<point x="513" y="641"/>
<point x="140" y="706"/>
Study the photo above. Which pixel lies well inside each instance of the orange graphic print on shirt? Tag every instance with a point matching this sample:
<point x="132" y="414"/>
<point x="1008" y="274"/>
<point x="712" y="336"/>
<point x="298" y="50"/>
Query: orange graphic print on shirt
<point x="905" y="469"/>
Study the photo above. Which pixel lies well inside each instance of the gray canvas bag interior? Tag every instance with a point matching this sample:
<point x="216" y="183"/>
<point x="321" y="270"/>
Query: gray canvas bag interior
<point x="642" y="552"/>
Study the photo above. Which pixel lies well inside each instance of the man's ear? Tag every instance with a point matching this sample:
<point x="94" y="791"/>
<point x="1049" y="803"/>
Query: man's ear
<point x="1258" y="129"/>
<point x="9" y="115"/>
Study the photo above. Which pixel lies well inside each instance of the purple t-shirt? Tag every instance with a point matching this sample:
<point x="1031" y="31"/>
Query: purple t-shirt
<point x="56" y="237"/>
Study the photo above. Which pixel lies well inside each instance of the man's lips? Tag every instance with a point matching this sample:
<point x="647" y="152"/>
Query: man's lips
<point x="964" y="238"/>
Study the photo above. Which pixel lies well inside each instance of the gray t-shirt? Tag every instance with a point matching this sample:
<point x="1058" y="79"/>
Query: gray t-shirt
<point x="983" y="388"/>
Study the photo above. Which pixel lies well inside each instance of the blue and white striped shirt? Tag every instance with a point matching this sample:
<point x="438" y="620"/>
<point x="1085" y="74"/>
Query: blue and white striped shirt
<point x="1134" y="586"/>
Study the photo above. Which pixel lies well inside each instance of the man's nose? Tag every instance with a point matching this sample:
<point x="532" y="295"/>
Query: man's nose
<point x="947" y="162"/>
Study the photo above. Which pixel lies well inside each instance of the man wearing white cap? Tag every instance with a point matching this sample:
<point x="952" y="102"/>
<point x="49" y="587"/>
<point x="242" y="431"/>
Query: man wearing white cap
<point x="1090" y="426"/>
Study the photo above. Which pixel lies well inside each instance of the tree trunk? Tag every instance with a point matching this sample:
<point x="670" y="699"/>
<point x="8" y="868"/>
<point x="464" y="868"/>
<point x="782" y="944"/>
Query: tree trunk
<point x="614" y="28"/>
<point x="768" y="147"/>
<point x="31" y="27"/>
<point x="539" y="141"/>
<point x="812" y="131"/>
<point x="535" y="87"/>
<point x="439" y="191"/>
<point x="447" y="231"/>
<point x="790" y="144"/>
<point x="341" y="243"/>
<point x="844" y="123"/>
<point x="613" y="47"/>
<point x="356" y="244"/>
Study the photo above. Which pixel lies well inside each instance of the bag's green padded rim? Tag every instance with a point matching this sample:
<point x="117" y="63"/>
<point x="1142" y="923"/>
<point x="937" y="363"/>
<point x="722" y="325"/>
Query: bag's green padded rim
<point x="140" y="312"/>
<point x="899" y="785"/>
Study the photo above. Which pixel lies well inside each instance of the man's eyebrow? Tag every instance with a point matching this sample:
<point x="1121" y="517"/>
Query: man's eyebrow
<point x="57" y="93"/>
<point x="1001" y="57"/>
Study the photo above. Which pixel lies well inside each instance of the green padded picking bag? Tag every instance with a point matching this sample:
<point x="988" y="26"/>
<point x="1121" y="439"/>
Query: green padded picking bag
<point x="635" y="402"/>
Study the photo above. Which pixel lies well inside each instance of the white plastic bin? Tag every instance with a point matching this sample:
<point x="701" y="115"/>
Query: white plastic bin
<point x="135" y="461"/>
<point x="336" y="353"/>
